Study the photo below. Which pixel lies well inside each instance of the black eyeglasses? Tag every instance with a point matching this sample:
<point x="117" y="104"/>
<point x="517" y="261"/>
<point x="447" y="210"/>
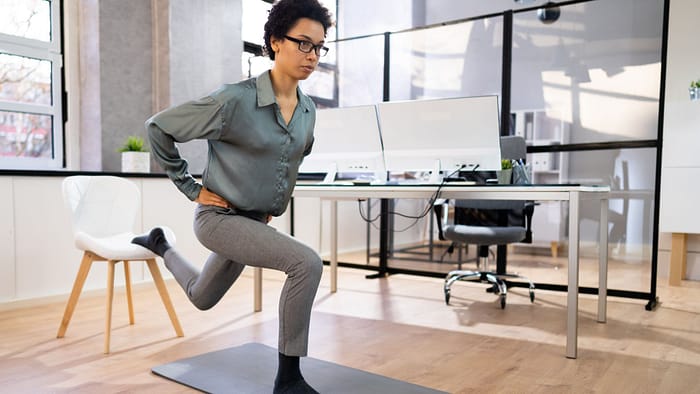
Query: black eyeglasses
<point x="308" y="46"/>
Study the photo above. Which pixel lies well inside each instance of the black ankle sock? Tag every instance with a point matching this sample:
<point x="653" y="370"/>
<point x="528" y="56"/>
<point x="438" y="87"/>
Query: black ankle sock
<point x="289" y="379"/>
<point x="155" y="241"/>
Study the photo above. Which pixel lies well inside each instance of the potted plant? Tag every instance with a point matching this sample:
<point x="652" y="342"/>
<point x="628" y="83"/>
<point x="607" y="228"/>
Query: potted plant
<point x="135" y="156"/>
<point x="694" y="90"/>
<point x="506" y="172"/>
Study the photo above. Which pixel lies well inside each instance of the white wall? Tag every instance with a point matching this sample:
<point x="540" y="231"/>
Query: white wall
<point x="7" y="240"/>
<point x="42" y="259"/>
<point x="39" y="258"/>
<point x="681" y="163"/>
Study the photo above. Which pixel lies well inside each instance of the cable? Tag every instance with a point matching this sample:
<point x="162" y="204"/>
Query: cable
<point x="426" y="211"/>
<point x="367" y="219"/>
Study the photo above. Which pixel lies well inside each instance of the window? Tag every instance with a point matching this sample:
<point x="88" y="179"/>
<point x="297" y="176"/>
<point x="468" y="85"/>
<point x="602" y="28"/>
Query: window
<point x="31" y="121"/>
<point x="254" y="61"/>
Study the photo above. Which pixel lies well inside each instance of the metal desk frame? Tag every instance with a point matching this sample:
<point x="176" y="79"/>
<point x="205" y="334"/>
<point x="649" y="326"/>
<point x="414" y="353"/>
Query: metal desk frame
<point x="573" y="194"/>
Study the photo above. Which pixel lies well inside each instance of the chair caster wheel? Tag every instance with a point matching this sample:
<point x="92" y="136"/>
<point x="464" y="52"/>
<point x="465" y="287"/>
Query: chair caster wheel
<point x="532" y="296"/>
<point x="493" y="289"/>
<point x="447" y="297"/>
<point x="503" y="301"/>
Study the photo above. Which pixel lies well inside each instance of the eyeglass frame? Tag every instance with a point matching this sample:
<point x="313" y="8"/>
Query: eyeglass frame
<point x="319" y="49"/>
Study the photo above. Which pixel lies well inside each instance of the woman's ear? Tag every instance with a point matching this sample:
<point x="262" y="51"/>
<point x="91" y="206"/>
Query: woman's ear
<point x="275" y="44"/>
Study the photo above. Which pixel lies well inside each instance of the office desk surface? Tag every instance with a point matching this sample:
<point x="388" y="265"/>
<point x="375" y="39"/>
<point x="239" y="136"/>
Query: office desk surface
<point x="483" y="192"/>
<point x="573" y="194"/>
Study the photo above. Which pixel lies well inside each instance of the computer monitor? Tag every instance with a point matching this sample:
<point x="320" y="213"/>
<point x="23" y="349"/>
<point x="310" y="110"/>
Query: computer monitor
<point x="347" y="145"/>
<point x="441" y="134"/>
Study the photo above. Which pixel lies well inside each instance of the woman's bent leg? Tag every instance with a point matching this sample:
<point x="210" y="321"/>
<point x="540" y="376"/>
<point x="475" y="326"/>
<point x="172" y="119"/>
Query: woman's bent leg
<point x="203" y="288"/>
<point x="245" y="241"/>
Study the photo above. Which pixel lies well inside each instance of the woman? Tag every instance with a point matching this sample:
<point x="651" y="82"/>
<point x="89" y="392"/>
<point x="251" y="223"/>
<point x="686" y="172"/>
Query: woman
<point x="258" y="132"/>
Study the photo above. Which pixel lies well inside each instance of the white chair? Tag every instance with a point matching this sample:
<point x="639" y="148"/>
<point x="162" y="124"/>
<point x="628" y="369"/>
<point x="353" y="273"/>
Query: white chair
<point x="103" y="210"/>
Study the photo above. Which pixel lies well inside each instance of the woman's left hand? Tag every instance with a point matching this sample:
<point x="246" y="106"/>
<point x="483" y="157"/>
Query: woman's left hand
<point x="208" y="197"/>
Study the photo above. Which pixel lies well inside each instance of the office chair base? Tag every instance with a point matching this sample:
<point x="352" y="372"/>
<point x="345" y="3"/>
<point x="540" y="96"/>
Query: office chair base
<point x="498" y="284"/>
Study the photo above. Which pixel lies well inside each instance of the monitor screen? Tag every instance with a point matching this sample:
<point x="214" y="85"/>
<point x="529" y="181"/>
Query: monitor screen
<point x="347" y="141"/>
<point x="448" y="134"/>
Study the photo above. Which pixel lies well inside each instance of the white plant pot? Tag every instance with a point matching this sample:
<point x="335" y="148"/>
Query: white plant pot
<point x="694" y="94"/>
<point x="136" y="162"/>
<point x="504" y="176"/>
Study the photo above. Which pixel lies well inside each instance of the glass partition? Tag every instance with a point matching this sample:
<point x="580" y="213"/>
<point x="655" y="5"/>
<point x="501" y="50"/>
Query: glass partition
<point x="592" y="75"/>
<point x="584" y="91"/>
<point x="448" y="61"/>
<point x="598" y="71"/>
<point x="350" y="75"/>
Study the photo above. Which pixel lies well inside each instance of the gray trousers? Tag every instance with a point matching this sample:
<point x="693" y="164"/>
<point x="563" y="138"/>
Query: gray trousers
<point x="237" y="239"/>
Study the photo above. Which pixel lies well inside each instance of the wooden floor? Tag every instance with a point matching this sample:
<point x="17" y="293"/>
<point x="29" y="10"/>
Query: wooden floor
<point x="399" y="327"/>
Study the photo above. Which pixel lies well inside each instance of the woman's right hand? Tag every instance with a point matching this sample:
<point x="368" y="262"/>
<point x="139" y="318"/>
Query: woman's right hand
<point x="207" y="197"/>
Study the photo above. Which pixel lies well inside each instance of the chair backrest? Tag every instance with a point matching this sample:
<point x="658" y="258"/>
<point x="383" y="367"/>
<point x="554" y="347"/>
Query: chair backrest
<point x="513" y="147"/>
<point x="485" y="212"/>
<point x="490" y="204"/>
<point x="101" y="205"/>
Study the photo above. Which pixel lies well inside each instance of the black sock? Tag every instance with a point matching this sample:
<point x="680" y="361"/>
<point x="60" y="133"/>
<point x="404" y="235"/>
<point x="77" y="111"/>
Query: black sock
<point x="155" y="241"/>
<point x="289" y="379"/>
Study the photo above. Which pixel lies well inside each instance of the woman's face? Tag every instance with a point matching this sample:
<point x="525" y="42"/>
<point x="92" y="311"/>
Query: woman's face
<point x="289" y="58"/>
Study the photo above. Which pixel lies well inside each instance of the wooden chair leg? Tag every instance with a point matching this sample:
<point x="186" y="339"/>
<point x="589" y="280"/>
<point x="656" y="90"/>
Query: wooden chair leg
<point x="110" y="297"/>
<point x="129" y="299"/>
<point x="75" y="293"/>
<point x="679" y="263"/>
<point x="554" y="247"/>
<point x="160" y="285"/>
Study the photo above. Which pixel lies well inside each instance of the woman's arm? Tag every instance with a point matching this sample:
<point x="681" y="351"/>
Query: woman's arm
<point x="198" y="119"/>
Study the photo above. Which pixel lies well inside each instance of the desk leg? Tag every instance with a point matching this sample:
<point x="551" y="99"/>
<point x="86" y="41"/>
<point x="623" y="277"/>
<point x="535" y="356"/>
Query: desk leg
<point x="334" y="246"/>
<point x="384" y="241"/>
<point x="679" y="252"/>
<point x="257" y="289"/>
<point x="603" y="262"/>
<point x="572" y="290"/>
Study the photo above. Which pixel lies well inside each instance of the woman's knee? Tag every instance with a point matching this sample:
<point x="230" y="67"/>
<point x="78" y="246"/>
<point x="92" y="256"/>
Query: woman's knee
<point x="203" y="303"/>
<point x="316" y="266"/>
<point x="311" y="265"/>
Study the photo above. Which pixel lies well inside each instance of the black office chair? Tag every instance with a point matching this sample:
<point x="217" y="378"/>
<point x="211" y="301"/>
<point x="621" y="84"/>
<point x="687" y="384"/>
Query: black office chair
<point x="491" y="222"/>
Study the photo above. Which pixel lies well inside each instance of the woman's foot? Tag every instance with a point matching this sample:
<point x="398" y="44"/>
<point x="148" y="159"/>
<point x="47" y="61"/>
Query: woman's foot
<point x="155" y="241"/>
<point x="289" y="379"/>
<point x="297" y="387"/>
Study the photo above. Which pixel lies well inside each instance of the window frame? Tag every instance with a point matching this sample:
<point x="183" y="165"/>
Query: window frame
<point x="49" y="51"/>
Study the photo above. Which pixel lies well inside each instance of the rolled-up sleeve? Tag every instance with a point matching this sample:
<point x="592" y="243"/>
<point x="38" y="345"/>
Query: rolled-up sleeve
<point x="197" y="119"/>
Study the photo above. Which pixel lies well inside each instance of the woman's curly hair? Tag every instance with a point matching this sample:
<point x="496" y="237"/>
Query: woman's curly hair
<point x="285" y="13"/>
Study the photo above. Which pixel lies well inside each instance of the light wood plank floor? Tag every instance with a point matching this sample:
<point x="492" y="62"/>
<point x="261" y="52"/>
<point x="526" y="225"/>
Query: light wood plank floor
<point x="398" y="327"/>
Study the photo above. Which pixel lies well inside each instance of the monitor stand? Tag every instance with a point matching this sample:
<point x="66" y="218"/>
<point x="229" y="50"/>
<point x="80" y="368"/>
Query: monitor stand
<point x="436" y="175"/>
<point x="331" y="173"/>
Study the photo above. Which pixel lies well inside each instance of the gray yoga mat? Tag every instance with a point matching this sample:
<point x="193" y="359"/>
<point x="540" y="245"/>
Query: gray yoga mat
<point x="251" y="368"/>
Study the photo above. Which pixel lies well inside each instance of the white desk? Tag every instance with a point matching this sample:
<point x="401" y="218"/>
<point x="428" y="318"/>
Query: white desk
<point x="573" y="194"/>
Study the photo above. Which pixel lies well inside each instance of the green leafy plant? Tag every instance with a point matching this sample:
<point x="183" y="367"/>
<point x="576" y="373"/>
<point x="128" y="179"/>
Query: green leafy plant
<point x="133" y="144"/>
<point x="506" y="164"/>
<point x="695" y="84"/>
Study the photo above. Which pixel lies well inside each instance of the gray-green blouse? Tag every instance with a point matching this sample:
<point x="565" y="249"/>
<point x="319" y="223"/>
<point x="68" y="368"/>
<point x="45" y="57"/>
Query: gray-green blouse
<point x="253" y="156"/>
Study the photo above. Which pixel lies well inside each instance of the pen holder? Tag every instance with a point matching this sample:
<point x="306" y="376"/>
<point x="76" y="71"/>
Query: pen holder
<point x="521" y="174"/>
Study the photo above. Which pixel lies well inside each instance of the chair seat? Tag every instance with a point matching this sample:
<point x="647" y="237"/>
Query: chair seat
<point x="118" y="246"/>
<point x="484" y="235"/>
